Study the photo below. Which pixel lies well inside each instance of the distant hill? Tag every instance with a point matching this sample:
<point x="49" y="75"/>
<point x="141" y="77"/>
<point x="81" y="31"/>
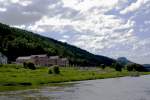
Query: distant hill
<point x="146" y="65"/>
<point x="124" y="61"/>
<point x="16" y="42"/>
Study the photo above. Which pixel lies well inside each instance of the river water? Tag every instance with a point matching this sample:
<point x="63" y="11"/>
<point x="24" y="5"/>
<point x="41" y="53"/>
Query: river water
<point x="125" y="88"/>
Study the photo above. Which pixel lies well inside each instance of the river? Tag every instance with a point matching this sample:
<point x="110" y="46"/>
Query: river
<point x="125" y="88"/>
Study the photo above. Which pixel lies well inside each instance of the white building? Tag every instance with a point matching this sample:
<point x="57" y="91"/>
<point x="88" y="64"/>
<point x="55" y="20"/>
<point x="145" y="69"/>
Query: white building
<point x="43" y="60"/>
<point x="3" y="59"/>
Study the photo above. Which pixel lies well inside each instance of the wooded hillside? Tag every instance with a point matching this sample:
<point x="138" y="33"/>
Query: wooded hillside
<point x="16" y="42"/>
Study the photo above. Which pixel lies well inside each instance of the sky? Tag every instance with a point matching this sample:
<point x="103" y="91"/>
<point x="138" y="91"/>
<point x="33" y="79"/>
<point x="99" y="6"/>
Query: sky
<point x="113" y="28"/>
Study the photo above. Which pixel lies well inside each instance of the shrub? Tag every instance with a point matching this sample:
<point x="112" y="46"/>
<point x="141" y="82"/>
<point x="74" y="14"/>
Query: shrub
<point x="103" y="66"/>
<point x="118" y="67"/>
<point x="29" y="65"/>
<point x="25" y="65"/>
<point x="130" y="67"/>
<point x="1" y="65"/>
<point x="50" y="71"/>
<point x="56" y="70"/>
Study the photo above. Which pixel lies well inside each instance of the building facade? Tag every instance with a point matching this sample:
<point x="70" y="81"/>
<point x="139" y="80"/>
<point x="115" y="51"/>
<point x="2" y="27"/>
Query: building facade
<point x="43" y="60"/>
<point x="3" y="59"/>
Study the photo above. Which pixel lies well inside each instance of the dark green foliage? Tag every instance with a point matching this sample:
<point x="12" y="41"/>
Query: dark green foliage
<point x="103" y="66"/>
<point x="56" y="69"/>
<point x="118" y="67"/>
<point x="130" y="67"/>
<point x="25" y="65"/>
<point x="135" y="67"/>
<point x="1" y="65"/>
<point x="15" y="42"/>
<point x="50" y="71"/>
<point x="29" y="65"/>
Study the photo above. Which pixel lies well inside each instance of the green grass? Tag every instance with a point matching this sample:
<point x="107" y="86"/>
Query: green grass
<point x="15" y="77"/>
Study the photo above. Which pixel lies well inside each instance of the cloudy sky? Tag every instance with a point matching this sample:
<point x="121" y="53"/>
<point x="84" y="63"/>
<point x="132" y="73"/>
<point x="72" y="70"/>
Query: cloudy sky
<point x="113" y="28"/>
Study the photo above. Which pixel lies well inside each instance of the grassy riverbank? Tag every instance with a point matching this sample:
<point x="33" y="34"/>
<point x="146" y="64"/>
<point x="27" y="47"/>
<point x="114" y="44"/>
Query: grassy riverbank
<point x="15" y="77"/>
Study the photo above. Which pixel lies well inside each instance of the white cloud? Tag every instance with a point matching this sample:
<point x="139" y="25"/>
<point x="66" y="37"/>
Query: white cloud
<point x="86" y="5"/>
<point x="99" y="26"/>
<point x="66" y="36"/>
<point x="3" y="9"/>
<point x="94" y="28"/>
<point x="134" y="6"/>
<point x="147" y="22"/>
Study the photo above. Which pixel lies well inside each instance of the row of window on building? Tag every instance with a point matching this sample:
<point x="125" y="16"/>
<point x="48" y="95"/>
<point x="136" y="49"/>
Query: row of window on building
<point x="43" y="60"/>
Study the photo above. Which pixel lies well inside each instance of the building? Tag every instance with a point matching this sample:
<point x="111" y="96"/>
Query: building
<point x="43" y="60"/>
<point x="21" y="60"/>
<point x="63" y="62"/>
<point x="3" y="59"/>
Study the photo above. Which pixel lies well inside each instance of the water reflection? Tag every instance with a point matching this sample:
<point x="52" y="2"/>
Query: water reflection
<point x="127" y="88"/>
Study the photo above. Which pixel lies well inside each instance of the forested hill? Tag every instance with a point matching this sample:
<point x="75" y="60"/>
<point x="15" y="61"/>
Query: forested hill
<point x="16" y="42"/>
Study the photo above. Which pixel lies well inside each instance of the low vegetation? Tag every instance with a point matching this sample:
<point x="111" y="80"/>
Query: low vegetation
<point x="135" y="67"/>
<point x="54" y="70"/>
<point x="14" y="77"/>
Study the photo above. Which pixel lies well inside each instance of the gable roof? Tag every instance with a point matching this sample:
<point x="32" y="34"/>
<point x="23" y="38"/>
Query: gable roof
<point x="24" y="58"/>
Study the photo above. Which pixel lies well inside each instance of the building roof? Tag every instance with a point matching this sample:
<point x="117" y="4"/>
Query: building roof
<point x="43" y="55"/>
<point x="64" y="59"/>
<point x="54" y="57"/>
<point x="24" y="58"/>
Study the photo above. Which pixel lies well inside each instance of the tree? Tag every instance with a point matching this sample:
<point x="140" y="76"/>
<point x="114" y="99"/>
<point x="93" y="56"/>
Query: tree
<point x="135" y="67"/>
<point x="129" y="67"/>
<point x="118" y="67"/>
<point x="15" y="42"/>
<point x="103" y="66"/>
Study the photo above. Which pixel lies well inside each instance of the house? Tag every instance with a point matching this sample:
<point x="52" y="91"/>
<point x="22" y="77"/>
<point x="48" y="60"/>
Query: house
<point x="3" y="59"/>
<point x="43" y="60"/>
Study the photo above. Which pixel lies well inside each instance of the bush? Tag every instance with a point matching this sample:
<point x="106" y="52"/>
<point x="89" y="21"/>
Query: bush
<point x="118" y="67"/>
<point x="56" y="70"/>
<point x="25" y="65"/>
<point x="103" y="66"/>
<point x="29" y="65"/>
<point x="130" y="67"/>
<point x="50" y="71"/>
<point x="1" y="65"/>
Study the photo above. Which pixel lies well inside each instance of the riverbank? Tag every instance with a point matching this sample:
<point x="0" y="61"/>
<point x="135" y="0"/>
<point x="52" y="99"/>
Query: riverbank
<point x="15" y="77"/>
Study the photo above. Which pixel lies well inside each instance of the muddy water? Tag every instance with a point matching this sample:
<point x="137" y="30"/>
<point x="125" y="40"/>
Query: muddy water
<point x="126" y="88"/>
